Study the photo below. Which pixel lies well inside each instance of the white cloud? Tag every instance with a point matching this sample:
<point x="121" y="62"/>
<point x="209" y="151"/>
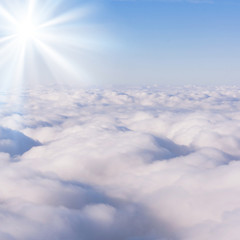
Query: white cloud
<point x="139" y="163"/>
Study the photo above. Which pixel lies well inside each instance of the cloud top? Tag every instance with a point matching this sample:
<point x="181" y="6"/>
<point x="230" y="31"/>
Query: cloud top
<point x="138" y="163"/>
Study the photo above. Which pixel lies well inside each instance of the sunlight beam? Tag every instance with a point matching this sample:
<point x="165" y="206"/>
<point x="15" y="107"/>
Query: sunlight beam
<point x="42" y="36"/>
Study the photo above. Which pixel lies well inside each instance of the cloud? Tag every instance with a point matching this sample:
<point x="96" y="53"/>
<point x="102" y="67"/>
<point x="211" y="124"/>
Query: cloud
<point x="137" y="163"/>
<point x="14" y="142"/>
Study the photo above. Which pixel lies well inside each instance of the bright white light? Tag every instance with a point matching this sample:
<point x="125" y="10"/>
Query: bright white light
<point x="26" y="30"/>
<point x="43" y="41"/>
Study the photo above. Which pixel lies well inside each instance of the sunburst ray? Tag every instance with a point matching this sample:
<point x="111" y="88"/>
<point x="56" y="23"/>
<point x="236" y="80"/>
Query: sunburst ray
<point x="37" y="40"/>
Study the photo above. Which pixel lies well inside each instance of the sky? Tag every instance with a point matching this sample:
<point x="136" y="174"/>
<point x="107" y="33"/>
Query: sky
<point x="121" y="42"/>
<point x="176" y="42"/>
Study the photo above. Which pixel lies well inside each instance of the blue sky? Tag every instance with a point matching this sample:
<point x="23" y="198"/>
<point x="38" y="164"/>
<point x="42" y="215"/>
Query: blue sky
<point x="173" y="42"/>
<point x="166" y="42"/>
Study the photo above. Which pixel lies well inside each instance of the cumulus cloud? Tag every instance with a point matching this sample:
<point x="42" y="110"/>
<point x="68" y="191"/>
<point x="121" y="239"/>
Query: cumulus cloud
<point x="139" y="163"/>
<point x="14" y="142"/>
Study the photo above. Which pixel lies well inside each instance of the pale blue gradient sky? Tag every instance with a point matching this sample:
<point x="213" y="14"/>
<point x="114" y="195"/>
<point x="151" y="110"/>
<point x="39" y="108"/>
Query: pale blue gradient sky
<point x="173" y="42"/>
<point x="118" y="42"/>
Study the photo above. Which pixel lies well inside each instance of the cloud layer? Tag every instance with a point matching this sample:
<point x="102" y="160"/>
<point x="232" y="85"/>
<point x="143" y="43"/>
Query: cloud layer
<point x="137" y="164"/>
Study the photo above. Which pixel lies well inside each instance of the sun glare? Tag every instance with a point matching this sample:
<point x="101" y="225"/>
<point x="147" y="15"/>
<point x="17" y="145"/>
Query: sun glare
<point x="26" y="30"/>
<point x="43" y="41"/>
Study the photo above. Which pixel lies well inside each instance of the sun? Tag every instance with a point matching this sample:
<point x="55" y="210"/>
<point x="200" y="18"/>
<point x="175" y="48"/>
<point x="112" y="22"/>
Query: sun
<point x="44" y="41"/>
<point x="26" y="30"/>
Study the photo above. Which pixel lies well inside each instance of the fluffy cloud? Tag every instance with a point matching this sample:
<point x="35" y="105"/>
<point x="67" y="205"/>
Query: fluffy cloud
<point x="139" y="163"/>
